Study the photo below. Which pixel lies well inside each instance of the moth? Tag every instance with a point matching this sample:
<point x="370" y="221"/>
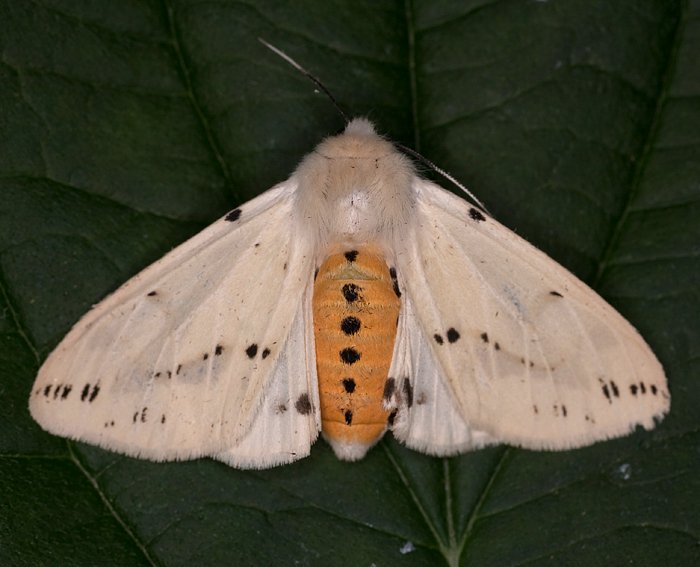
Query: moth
<point x="351" y="299"/>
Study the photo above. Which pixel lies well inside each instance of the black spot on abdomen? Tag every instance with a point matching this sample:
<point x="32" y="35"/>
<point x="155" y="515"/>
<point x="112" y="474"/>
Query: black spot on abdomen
<point x="351" y="292"/>
<point x="349" y="355"/>
<point x="350" y="325"/>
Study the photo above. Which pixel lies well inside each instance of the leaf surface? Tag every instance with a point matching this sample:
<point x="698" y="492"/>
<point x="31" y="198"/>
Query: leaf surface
<point x="127" y="127"/>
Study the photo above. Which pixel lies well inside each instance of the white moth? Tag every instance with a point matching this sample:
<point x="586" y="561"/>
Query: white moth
<point x="235" y="346"/>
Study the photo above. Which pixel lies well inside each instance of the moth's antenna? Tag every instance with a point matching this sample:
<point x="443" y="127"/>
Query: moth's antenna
<point x="442" y="172"/>
<point x="406" y="149"/>
<point x="316" y="82"/>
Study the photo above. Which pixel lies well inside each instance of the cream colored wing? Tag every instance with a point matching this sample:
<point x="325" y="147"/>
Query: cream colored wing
<point x="531" y="355"/>
<point x="427" y="417"/>
<point x="175" y="364"/>
<point x="289" y="418"/>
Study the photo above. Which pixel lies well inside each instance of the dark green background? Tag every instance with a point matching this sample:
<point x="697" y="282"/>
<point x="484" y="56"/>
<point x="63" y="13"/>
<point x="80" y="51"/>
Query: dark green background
<point x="127" y="126"/>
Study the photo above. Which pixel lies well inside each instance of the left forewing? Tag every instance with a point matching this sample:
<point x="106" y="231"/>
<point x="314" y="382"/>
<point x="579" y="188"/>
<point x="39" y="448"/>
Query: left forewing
<point x="176" y="362"/>
<point x="532" y="355"/>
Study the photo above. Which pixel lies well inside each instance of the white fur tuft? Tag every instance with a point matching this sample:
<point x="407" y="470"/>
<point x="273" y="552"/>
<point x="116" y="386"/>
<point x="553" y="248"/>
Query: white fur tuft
<point x="348" y="450"/>
<point x="360" y="127"/>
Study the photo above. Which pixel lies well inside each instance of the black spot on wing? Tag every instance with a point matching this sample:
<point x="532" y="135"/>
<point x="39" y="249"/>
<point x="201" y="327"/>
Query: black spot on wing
<point x="564" y="412"/>
<point x="389" y="389"/>
<point x="350" y="325"/>
<point x="476" y="215"/>
<point x="84" y="394"/>
<point x="152" y="293"/>
<point x="555" y="293"/>
<point x="265" y="353"/>
<point x="234" y="215"/>
<point x="408" y="391"/>
<point x="397" y="291"/>
<point x="349" y="355"/>
<point x="315" y="273"/>
<point x="252" y="350"/>
<point x="47" y="390"/>
<point x="485" y="337"/>
<point x="93" y="394"/>
<point x="144" y="413"/>
<point x="497" y="346"/>
<point x="452" y="335"/>
<point x="205" y="356"/>
<point x="349" y="385"/>
<point x="162" y="418"/>
<point x="303" y="404"/>
<point x="218" y="350"/>
<point x="438" y="338"/>
<point x="654" y="390"/>
<point x="66" y="390"/>
<point x="177" y="370"/>
<point x="615" y="389"/>
<point x="351" y="255"/>
<point x="395" y="281"/>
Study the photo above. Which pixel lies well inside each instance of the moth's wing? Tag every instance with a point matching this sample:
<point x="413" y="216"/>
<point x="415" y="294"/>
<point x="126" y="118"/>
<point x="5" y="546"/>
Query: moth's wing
<point x="532" y="356"/>
<point x="175" y="363"/>
<point x="289" y="418"/>
<point x="427" y="417"/>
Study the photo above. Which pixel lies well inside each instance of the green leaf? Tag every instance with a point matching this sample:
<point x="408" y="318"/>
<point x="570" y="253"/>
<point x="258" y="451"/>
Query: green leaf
<point x="126" y="127"/>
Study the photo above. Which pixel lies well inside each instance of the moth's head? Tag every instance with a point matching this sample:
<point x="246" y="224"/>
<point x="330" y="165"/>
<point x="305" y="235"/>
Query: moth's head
<point x="355" y="186"/>
<point x="358" y="140"/>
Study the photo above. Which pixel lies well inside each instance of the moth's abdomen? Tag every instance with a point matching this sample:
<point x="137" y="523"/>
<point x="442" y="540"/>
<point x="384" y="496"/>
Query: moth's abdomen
<point x="355" y="309"/>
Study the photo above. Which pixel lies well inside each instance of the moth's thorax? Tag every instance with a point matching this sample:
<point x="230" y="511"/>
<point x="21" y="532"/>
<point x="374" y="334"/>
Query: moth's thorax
<point x="355" y="187"/>
<point x="355" y="309"/>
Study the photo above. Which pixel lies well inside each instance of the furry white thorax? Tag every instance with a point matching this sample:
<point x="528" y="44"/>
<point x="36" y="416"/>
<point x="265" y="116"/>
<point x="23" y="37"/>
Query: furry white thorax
<point x="355" y="187"/>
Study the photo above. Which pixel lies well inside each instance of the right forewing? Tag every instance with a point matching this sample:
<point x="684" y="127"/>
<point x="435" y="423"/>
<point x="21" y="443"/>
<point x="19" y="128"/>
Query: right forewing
<point x="532" y="356"/>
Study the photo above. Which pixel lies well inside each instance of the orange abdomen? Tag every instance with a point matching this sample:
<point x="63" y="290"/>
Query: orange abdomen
<point x="355" y="311"/>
